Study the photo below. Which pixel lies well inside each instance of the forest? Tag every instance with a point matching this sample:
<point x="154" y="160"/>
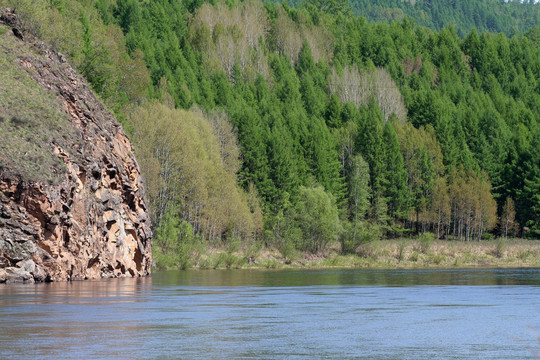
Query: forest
<point x="511" y="17"/>
<point x="301" y="127"/>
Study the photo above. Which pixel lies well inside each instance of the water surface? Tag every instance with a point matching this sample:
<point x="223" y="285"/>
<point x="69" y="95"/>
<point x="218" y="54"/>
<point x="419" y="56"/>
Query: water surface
<point x="253" y="314"/>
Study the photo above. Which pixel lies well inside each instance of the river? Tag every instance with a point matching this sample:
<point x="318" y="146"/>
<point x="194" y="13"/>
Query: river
<point x="282" y="314"/>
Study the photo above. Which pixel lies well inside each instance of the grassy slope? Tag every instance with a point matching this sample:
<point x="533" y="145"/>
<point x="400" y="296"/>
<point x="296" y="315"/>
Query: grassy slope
<point x="31" y="118"/>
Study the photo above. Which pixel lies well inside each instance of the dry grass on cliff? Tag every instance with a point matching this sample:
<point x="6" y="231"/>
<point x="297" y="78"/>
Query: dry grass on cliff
<point x="31" y="118"/>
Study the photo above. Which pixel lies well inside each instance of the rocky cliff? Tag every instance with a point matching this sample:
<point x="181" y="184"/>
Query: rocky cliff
<point x="71" y="197"/>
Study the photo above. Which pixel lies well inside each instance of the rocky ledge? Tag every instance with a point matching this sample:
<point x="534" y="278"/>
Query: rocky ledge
<point x="93" y="221"/>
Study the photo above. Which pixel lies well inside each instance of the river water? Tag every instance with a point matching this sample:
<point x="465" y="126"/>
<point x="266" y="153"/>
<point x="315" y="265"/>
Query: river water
<point x="254" y="314"/>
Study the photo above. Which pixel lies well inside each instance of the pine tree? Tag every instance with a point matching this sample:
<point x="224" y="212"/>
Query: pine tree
<point x="395" y="174"/>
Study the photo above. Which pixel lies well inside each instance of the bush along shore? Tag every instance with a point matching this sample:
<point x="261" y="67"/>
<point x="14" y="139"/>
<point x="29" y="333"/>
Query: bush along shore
<point x="379" y="254"/>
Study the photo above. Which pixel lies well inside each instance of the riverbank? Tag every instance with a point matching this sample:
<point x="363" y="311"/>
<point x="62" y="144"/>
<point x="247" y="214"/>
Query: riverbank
<point x="383" y="254"/>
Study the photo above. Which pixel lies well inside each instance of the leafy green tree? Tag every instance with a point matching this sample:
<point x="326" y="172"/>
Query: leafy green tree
<point x="316" y="216"/>
<point x="167" y="240"/>
<point x="508" y="224"/>
<point x="440" y="207"/>
<point x="173" y="242"/>
<point x="179" y="153"/>
<point x="359" y="190"/>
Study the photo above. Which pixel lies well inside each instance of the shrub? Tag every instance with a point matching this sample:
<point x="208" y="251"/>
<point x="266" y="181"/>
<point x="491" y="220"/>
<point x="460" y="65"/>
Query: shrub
<point x="500" y="247"/>
<point x="204" y="263"/>
<point x="270" y="263"/>
<point x="349" y="238"/>
<point x="284" y="235"/>
<point x="358" y="233"/>
<point x="174" y="242"/>
<point x="233" y="245"/>
<point x="163" y="260"/>
<point x="487" y="236"/>
<point x="370" y="249"/>
<point x="228" y="261"/>
<point x="402" y="245"/>
<point x="287" y="250"/>
<point x="313" y="222"/>
<point x="425" y="240"/>
<point x="437" y="258"/>
<point x="251" y="252"/>
<point x="523" y="255"/>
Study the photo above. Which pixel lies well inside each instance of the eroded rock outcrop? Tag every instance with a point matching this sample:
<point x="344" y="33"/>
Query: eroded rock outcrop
<point x="90" y="223"/>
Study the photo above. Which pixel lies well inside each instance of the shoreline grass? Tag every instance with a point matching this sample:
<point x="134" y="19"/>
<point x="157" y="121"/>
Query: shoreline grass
<point x="382" y="254"/>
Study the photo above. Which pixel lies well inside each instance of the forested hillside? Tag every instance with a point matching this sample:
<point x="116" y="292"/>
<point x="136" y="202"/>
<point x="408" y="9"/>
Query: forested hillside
<point x="260" y="122"/>
<point x="510" y="17"/>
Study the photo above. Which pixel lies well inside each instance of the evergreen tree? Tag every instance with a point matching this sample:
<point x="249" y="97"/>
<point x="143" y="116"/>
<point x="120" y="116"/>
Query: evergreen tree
<point x="395" y="174"/>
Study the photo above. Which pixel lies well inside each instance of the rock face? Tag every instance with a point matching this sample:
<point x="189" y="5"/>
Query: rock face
<point x="93" y="221"/>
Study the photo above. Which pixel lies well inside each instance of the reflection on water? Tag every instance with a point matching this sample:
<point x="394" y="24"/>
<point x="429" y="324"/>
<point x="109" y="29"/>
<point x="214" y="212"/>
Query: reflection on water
<point x="350" y="277"/>
<point x="336" y="314"/>
<point x="71" y="319"/>
<point x="80" y="292"/>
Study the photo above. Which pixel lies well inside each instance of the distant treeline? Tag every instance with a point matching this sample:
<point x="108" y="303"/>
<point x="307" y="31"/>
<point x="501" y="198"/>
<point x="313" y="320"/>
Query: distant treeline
<point x="261" y="122"/>
<point x="510" y="17"/>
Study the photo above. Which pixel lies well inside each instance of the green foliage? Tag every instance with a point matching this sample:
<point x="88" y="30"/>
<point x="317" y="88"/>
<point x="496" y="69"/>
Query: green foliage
<point x="372" y="249"/>
<point x="228" y="261"/>
<point x="329" y="6"/>
<point x="166" y="242"/>
<point x="414" y="256"/>
<point x="359" y="189"/>
<point x="488" y="236"/>
<point x="358" y="233"/>
<point x="436" y="258"/>
<point x="96" y="49"/>
<point x="487" y="15"/>
<point x="174" y="242"/>
<point x="425" y="241"/>
<point x="179" y="154"/>
<point x="287" y="248"/>
<point x="402" y="127"/>
<point x="315" y="220"/>
<point x="395" y="175"/>
<point x="402" y="245"/>
<point x="500" y="247"/>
